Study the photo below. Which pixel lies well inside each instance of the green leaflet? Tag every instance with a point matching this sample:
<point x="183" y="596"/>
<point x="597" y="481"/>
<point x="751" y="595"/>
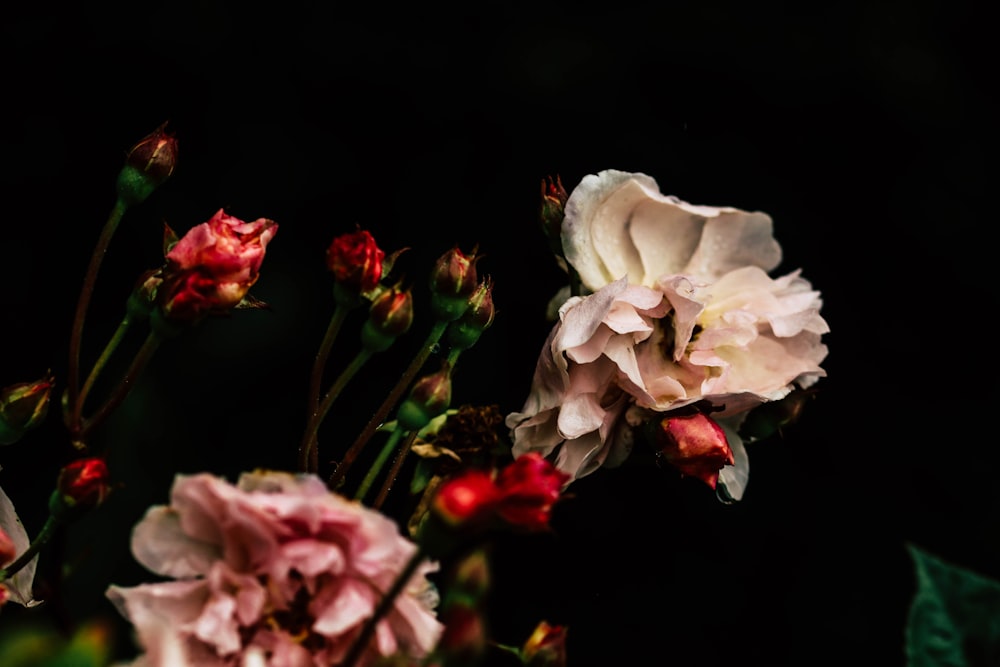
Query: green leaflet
<point x="954" y="617"/>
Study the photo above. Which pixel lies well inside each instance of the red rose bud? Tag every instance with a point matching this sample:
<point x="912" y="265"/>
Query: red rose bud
<point x="23" y="406"/>
<point x="466" y="330"/>
<point x="147" y="166"/>
<point x="83" y="483"/>
<point x="389" y="317"/>
<point x="546" y="647"/>
<point x="429" y="397"/>
<point x="529" y="487"/>
<point x="453" y="281"/>
<point x="696" y="445"/>
<point x="356" y="262"/>
<point x="467" y="499"/>
<point x="211" y="268"/>
<point x="552" y="210"/>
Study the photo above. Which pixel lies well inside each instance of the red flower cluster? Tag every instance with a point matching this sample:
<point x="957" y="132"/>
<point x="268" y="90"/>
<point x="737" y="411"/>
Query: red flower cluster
<point x="356" y="261"/>
<point x="522" y="495"/>
<point x="213" y="266"/>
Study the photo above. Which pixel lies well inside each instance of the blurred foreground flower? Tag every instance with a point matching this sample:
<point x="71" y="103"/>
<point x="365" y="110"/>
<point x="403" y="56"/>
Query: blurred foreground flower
<point x="681" y="311"/>
<point x="275" y="566"/>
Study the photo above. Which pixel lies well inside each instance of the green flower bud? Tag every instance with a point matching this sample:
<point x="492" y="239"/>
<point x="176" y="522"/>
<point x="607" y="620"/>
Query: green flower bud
<point x="23" y="406"/>
<point x="148" y="165"/>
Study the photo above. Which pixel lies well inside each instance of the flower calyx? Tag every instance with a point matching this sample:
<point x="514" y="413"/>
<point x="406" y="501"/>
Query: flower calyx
<point x="477" y="318"/>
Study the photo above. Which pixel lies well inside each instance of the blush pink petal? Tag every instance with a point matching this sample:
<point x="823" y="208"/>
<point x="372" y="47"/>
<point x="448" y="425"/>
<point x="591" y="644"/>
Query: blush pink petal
<point x="161" y="545"/>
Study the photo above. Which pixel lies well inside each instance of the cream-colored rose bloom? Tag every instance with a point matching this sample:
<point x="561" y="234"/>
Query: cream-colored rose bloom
<point x="682" y="311"/>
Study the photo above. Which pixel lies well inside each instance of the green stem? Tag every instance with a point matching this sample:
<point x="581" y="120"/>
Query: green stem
<point x="307" y="451"/>
<point x="397" y="391"/>
<point x="397" y="465"/>
<point x="82" y="304"/>
<point x="384" y="605"/>
<point x="387" y="449"/>
<point x="109" y="349"/>
<point x="44" y="535"/>
<point x="140" y="361"/>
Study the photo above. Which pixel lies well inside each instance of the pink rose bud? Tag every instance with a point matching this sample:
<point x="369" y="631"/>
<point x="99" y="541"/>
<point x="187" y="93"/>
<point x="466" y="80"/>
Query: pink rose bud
<point x="696" y="445"/>
<point x="147" y="166"/>
<point x="356" y="262"/>
<point x="83" y="483"/>
<point x="7" y="549"/>
<point x="546" y="647"/>
<point x="466" y="330"/>
<point x="453" y="281"/>
<point x="429" y="397"/>
<point x="389" y="317"/>
<point x="23" y="406"/>
<point x="211" y="269"/>
<point x="529" y="487"/>
<point x="466" y="499"/>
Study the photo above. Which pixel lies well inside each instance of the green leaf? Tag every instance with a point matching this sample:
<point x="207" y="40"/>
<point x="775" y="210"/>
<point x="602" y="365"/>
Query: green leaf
<point x="954" y="617"/>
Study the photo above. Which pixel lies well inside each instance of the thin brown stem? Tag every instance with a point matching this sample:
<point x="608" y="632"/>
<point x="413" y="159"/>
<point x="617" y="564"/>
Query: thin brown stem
<point x="82" y="304"/>
<point x="384" y="605"/>
<point x="140" y="361"/>
<point x="390" y="401"/>
<point x="307" y="451"/>
<point x="397" y="465"/>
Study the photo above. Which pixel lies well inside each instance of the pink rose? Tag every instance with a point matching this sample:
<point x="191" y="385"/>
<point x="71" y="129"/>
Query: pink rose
<point x="680" y="310"/>
<point x="276" y="567"/>
<point x="213" y="266"/>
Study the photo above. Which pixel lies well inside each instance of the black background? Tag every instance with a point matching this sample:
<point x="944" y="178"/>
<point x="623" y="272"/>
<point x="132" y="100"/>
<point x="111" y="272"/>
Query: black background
<point x="860" y="127"/>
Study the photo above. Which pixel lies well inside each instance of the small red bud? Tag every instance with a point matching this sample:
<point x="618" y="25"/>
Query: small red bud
<point x="429" y="397"/>
<point x="356" y="261"/>
<point x="23" y="406"/>
<point x="466" y="499"/>
<point x="529" y="488"/>
<point x="464" y="332"/>
<point x="696" y="445"/>
<point x="148" y="164"/>
<point x="389" y="317"/>
<point x="552" y="207"/>
<point x="453" y="281"/>
<point x="83" y="483"/>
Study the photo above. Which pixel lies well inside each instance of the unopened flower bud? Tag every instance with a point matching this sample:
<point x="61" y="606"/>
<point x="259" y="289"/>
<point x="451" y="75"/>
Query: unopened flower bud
<point x="696" y="445"/>
<point x="552" y="210"/>
<point x="23" y="406"/>
<point x="82" y="483"/>
<point x="466" y="330"/>
<point x="529" y="488"/>
<point x="389" y="317"/>
<point x="466" y="499"/>
<point x="453" y="281"/>
<point x="142" y="300"/>
<point x="429" y="397"/>
<point x="147" y="166"/>
<point x="546" y="647"/>
<point x="356" y="262"/>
